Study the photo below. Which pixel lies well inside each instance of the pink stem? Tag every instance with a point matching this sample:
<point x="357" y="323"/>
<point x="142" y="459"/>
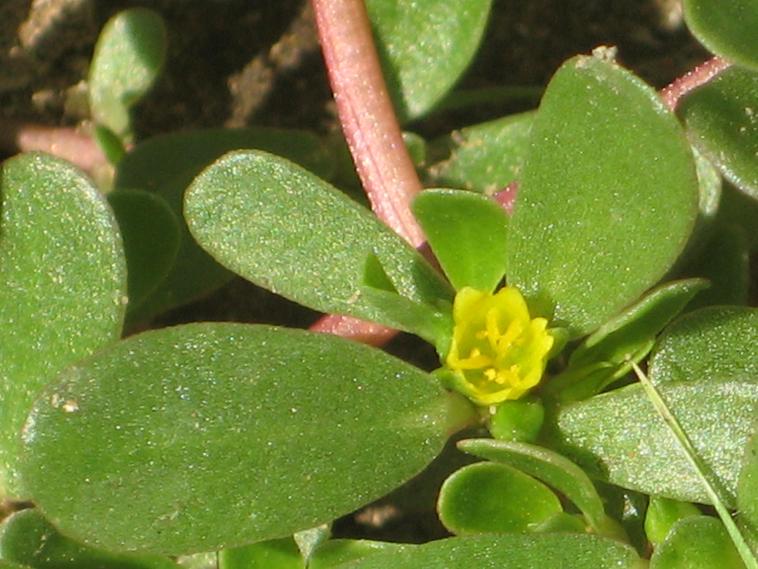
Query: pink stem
<point x="366" y="113"/>
<point x="373" y="135"/>
<point x="64" y="142"/>
<point x="692" y="79"/>
<point x="354" y="329"/>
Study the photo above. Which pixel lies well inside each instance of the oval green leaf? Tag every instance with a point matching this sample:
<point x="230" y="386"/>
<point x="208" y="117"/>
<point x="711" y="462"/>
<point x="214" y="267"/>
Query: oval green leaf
<point x="63" y="281"/>
<point x="168" y="163"/>
<point x="425" y="46"/>
<point x="662" y="514"/>
<point x="726" y="27"/>
<point x="286" y="230"/>
<point x="485" y="157"/>
<point x="487" y="497"/>
<point x="608" y="196"/>
<point x="552" y="469"/>
<point x="711" y="343"/>
<point x="28" y="538"/>
<point x="129" y="56"/>
<point x="619" y="437"/>
<point x="467" y="233"/>
<point x="721" y="118"/>
<point x="151" y="240"/>
<point x="697" y="542"/>
<point x="518" y="420"/>
<point x="510" y="551"/>
<point x="205" y="436"/>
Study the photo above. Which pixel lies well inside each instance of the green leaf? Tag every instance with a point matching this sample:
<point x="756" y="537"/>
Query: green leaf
<point x="697" y="542"/>
<point x="416" y="146"/>
<point x="62" y="285"/>
<point x="710" y="185"/>
<point x="726" y="27"/>
<point x="716" y="494"/>
<point x="606" y="355"/>
<point x="425" y="46"/>
<point x="552" y="469"/>
<point x="518" y="420"/>
<point x="738" y="208"/>
<point x="627" y="332"/>
<point x="427" y="322"/>
<point x="337" y="551"/>
<point x="710" y="188"/>
<point x="467" y="233"/>
<point x="286" y="230"/>
<point x="563" y="522"/>
<point x="374" y="275"/>
<point x="721" y="118"/>
<point x="205" y="436"/>
<point x="272" y="554"/>
<point x="711" y="343"/>
<point x="168" y="163"/>
<point x="129" y="56"/>
<point x="619" y="437"/>
<point x="607" y="199"/>
<point x="111" y="145"/>
<point x="151" y="240"/>
<point x="724" y="262"/>
<point x="510" y="551"/>
<point x="487" y="497"/>
<point x="28" y="538"/>
<point x="662" y="514"/>
<point x="747" y="492"/>
<point x="496" y="97"/>
<point x="485" y="157"/>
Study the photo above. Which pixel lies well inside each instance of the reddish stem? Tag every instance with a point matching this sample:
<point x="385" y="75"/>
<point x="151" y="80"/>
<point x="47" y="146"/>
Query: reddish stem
<point x="366" y="113"/>
<point x="692" y="79"/>
<point x="354" y="329"/>
<point x="373" y="135"/>
<point x="64" y="142"/>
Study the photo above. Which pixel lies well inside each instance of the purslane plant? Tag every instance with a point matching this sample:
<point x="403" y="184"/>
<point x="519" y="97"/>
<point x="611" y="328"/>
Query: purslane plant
<point x="242" y="438"/>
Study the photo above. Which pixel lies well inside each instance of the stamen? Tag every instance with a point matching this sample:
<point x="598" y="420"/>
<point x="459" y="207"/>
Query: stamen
<point x="493" y="332"/>
<point x="515" y="328"/>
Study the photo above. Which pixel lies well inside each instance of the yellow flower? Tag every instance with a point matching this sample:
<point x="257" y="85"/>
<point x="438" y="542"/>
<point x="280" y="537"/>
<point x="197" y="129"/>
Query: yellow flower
<point x="498" y="352"/>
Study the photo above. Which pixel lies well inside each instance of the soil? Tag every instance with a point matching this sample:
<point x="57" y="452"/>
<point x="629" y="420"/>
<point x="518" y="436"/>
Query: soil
<point x="237" y="62"/>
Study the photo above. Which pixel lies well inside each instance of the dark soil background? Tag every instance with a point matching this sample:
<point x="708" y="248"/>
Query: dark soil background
<point x="238" y="62"/>
<point x="256" y="62"/>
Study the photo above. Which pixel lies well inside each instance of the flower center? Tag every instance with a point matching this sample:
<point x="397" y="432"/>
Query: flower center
<point x="498" y="351"/>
